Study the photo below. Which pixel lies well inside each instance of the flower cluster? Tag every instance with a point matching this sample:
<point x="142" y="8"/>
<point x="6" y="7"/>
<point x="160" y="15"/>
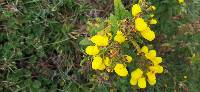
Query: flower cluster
<point x="140" y="23"/>
<point x="138" y="76"/>
<point x="105" y="52"/>
<point x="100" y="49"/>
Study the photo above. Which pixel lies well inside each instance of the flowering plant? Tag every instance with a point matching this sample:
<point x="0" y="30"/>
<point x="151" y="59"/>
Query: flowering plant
<point x="107" y="48"/>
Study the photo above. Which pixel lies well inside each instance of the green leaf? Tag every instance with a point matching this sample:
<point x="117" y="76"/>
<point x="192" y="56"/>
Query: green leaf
<point x="85" y="42"/>
<point x="120" y="10"/>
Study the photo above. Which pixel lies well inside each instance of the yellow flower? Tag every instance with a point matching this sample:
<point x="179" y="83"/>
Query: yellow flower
<point x="128" y="58"/>
<point x="120" y="38"/>
<point x="142" y="83"/>
<point x="156" y="69"/>
<point x="140" y="24"/>
<point x="121" y="70"/>
<point x="107" y="61"/>
<point x="148" y="34"/>
<point x="136" y="77"/>
<point x="136" y="74"/>
<point x="153" y="21"/>
<point x="145" y="49"/>
<point x="98" y="64"/>
<point x="151" y="78"/>
<point x="181" y="1"/>
<point x="92" y="50"/>
<point x="100" y="40"/>
<point x="151" y="55"/>
<point x="136" y="9"/>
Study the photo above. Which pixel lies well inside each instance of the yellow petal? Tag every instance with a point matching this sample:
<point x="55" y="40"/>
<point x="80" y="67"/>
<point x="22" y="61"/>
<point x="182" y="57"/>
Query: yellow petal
<point x="151" y="75"/>
<point x="157" y="60"/>
<point x="181" y="1"/>
<point x="160" y="69"/>
<point x="95" y="65"/>
<point x="145" y="49"/>
<point x="152" y="82"/>
<point x="156" y="69"/>
<point x="133" y="81"/>
<point x="148" y="35"/>
<point x="151" y="78"/>
<point x="140" y="24"/>
<point x="142" y="83"/>
<point x="120" y="38"/>
<point x="102" y="67"/>
<point x="151" y="55"/>
<point x="136" y="9"/>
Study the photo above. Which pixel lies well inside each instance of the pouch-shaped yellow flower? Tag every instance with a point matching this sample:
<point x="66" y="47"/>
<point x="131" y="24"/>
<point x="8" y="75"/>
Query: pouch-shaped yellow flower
<point x="140" y="24"/>
<point x="121" y="70"/>
<point x="148" y="35"/>
<point x="136" y="9"/>
<point x="92" y="50"/>
<point x="97" y="63"/>
<point x="120" y="38"/>
<point x="100" y="40"/>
